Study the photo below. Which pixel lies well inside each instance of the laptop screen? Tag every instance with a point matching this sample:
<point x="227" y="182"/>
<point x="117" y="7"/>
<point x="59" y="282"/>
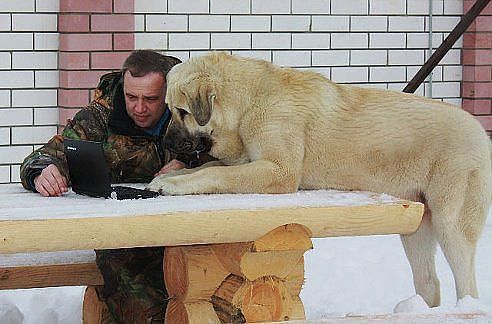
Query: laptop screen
<point x="87" y="166"/>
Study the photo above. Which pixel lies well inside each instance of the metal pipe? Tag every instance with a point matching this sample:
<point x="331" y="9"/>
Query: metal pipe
<point x="429" y="79"/>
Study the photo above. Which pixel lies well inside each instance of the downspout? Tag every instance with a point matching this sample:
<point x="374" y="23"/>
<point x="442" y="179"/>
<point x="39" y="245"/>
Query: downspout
<point x="429" y="79"/>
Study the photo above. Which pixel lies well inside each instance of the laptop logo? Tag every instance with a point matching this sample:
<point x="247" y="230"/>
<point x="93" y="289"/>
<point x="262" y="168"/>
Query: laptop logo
<point x="71" y="148"/>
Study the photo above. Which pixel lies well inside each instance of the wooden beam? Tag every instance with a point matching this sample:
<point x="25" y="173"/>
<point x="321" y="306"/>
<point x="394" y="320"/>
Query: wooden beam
<point x="204" y="227"/>
<point x="55" y="275"/>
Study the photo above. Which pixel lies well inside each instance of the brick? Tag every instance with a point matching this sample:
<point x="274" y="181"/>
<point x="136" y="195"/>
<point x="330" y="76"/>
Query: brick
<point x="112" y="23"/>
<point x="139" y="23"/>
<point x="210" y="23"/>
<point x="16" y="79"/>
<point x="229" y="7"/>
<point x="80" y="79"/>
<point x="5" y="98"/>
<point x="330" y="23"/>
<point x="85" y="42"/>
<point x="4" y="135"/>
<point x="478" y="106"/>
<point x="17" y="6"/>
<point x="89" y="6"/>
<point x="34" y="22"/>
<point x="477" y="40"/>
<point x="250" y="23"/>
<point x="230" y="41"/>
<point x="387" y="40"/>
<point x="477" y="90"/>
<point x="446" y="89"/>
<point x="421" y="40"/>
<point x="311" y="41"/>
<point x="35" y="60"/>
<point x="4" y="174"/>
<point x="149" y="6"/>
<point x="421" y="7"/>
<point x="188" y="6"/>
<point x="483" y="23"/>
<point x="368" y="57"/>
<point x="73" y="60"/>
<point x="5" y="24"/>
<point x="349" y="40"/>
<point x="168" y="23"/>
<point x="151" y="41"/>
<point x="452" y="72"/>
<point x="46" y="41"/>
<point x="34" y="98"/>
<point x="406" y="57"/>
<point x="15" y="41"/>
<point x="453" y="7"/>
<point x="189" y="41"/>
<point x="47" y="6"/>
<point x="384" y="7"/>
<point x="32" y="135"/>
<point x="126" y="6"/>
<point x="46" y="79"/>
<point x="352" y="7"/>
<point x="291" y="23"/>
<point x="108" y="60"/>
<point x="45" y="116"/>
<point x="292" y="58"/>
<point x="73" y="98"/>
<point x="15" y="117"/>
<point x="406" y="24"/>
<point x="271" y="41"/>
<point x="369" y="23"/>
<point x="14" y="154"/>
<point x="330" y="58"/>
<point x="477" y="73"/>
<point x="452" y="57"/>
<point x="444" y="23"/>
<point x="15" y="173"/>
<point x="123" y="41"/>
<point x="310" y="6"/>
<point x="349" y="74"/>
<point x="5" y="61"/>
<point x="270" y="6"/>
<point x="387" y="74"/>
<point x="73" y="23"/>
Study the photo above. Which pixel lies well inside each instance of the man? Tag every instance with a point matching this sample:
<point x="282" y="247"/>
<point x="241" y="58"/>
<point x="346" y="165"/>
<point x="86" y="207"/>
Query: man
<point x="129" y="115"/>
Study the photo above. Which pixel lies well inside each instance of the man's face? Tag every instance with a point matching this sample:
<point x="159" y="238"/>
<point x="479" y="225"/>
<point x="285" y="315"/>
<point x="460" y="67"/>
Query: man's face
<point x="144" y="98"/>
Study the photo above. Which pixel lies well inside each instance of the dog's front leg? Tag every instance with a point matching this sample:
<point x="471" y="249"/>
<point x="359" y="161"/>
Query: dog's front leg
<point x="254" y="177"/>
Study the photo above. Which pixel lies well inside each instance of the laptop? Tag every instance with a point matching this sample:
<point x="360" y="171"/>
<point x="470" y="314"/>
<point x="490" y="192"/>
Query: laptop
<point x="90" y="173"/>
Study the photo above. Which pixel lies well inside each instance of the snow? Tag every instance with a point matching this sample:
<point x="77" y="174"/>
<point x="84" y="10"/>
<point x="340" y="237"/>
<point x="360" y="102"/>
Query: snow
<point x="345" y="277"/>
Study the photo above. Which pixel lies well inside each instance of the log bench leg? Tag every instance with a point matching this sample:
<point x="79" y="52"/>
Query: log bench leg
<point x="250" y="282"/>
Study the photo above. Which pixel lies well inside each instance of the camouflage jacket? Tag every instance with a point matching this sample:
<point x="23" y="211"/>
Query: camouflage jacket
<point x="132" y="154"/>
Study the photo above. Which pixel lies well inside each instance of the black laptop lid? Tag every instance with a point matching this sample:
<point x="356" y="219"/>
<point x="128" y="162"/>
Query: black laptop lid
<point x="87" y="166"/>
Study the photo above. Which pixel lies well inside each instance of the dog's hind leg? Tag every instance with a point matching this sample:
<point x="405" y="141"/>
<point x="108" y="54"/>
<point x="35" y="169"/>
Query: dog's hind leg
<point x="457" y="223"/>
<point x="420" y="248"/>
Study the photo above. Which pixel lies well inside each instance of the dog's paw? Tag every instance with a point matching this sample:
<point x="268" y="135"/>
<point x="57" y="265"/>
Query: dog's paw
<point x="163" y="184"/>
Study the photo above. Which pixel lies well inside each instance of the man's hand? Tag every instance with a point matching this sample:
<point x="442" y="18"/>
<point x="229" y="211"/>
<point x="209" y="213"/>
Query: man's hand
<point x="172" y="165"/>
<point x="51" y="182"/>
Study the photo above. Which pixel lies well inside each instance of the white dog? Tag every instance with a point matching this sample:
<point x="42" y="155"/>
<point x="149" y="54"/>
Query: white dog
<point x="277" y="130"/>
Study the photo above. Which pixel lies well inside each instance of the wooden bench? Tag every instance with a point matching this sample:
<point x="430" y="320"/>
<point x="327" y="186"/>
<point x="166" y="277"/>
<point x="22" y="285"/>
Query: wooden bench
<point x="226" y="256"/>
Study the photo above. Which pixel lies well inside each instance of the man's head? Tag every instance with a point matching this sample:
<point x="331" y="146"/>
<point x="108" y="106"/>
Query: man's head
<point x="144" y="86"/>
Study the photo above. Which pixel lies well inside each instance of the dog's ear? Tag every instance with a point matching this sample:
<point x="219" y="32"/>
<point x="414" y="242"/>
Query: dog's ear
<point x="201" y="102"/>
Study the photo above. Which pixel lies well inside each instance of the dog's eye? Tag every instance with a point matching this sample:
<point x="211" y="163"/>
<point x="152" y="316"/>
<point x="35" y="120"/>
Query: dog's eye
<point x="182" y="113"/>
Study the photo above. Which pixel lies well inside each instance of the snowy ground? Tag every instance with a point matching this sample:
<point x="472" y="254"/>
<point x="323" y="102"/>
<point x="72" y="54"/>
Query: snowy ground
<point x="346" y="276"/>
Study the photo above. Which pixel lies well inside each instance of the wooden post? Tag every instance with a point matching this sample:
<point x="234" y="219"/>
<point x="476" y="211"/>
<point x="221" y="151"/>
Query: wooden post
<point x="238" y="282"/>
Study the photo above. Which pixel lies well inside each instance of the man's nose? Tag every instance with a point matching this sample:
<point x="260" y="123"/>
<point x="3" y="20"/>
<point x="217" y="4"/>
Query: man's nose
<point x="140" y="106"/>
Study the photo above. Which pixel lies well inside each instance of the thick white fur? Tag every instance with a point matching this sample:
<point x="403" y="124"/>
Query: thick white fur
<point x="278" y="130"/>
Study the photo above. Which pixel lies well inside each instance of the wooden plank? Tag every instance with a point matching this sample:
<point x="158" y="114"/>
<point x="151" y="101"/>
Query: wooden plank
<point x="38" y="276"/>
<point x="204" y="227"/>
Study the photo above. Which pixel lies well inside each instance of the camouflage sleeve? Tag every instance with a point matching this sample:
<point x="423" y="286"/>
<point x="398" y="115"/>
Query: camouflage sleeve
<point x="89" y="123"/>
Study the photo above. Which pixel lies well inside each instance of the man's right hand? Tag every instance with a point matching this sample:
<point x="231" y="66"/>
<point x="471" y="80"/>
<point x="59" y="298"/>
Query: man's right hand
<point x="51" y="182"/>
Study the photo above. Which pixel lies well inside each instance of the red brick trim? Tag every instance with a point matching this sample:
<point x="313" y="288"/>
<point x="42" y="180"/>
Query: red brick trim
<point x="476" y="89"/>
<point x="95" y="38"/>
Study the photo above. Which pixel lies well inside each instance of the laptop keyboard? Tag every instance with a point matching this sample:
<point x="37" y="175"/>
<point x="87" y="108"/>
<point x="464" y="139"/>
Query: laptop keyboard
<point x="122" y="192"/>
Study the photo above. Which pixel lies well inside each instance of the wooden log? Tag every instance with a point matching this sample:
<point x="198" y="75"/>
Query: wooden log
<point x="278" y="264"/>
<point x="95" y="311"/>
<point x="192" y="273"/>
<point x="197" y="312"/>
<point x="230" y="255"/>
<point x="295" y="279"/>
<point x="283" y="238"/>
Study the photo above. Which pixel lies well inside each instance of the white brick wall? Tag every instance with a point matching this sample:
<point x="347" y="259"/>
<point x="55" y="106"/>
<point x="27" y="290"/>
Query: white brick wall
<point x="28" y="80"/>
<point x="371" y="43"/>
